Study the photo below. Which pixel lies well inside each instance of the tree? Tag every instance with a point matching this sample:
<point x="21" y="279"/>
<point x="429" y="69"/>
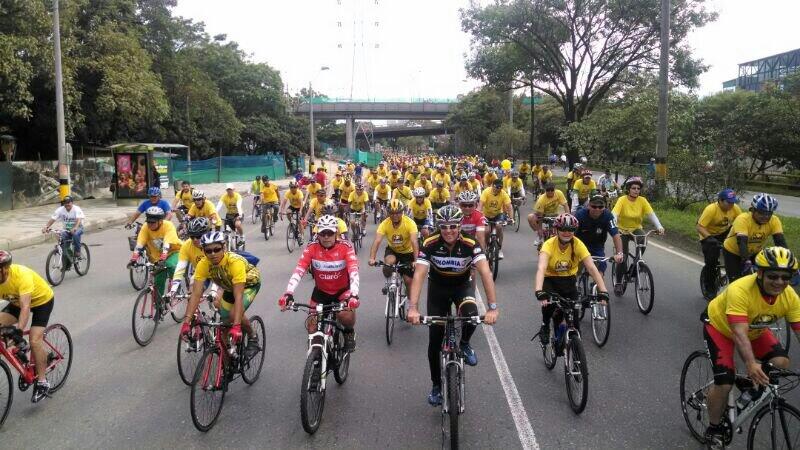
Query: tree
<point x="476" y="116"/>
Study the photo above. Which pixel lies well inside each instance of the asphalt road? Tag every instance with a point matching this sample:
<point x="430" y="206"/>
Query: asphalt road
<point x="120" y="395"/>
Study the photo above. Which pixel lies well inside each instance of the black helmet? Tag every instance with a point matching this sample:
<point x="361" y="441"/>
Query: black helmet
<point x="449" y="214"/>
<point x="198" y="226"/>
<point x="67" y="199"/>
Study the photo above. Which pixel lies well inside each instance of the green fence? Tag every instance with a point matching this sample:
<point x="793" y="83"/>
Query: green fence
<point x="229" y="168"/>
<point x="371" y="159"/>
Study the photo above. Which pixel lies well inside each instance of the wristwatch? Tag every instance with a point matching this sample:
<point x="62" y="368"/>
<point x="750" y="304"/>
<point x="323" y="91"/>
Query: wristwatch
<point x="493" y="306"/>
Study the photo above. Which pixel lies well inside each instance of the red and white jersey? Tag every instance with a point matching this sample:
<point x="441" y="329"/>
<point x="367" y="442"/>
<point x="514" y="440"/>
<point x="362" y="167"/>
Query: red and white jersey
<point x="473" y="223"/>
<point x="335" y="268"/>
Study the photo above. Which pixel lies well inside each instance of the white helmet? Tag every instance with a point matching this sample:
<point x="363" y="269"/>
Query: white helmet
<point x="198" y="195"/>
<point x="419" y="192"/>
<point x="212" y="237"/>
<point x="327" y="222"/>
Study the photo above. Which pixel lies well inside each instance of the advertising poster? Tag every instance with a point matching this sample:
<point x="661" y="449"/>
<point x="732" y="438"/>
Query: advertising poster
<point x="162" y="166"/>
<point x="131" y="175"/>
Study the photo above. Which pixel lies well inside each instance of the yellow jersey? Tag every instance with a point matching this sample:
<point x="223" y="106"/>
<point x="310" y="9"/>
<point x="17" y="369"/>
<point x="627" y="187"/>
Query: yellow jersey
<point x="514" y="186"/>
<point x="337" y="181"/>
<point x="489" y="178"/>
<point x="463" y="186"/>
<point x="269" y="193"/>
<point x="341" y="227"/>
<point x="156" y="241"/>
<point x="232" y="270"/>
<point x="185" y="198"/>
<point x="715" y="220"/>
<point x="745" y="225"/>
<point x="357" y="202"/>
<point x="403" y="194"/>
<point x="190" y="255"/>
<point x="207" y="210"/>
<point x="544" y="177"/>
<point x="399" y="238"/>
<point x="563" y="263"/>
<point x="21" y="281"/>
<point x="383" y="192"/>
<point x="439" y="195"/>
<point x="420" y="211"/>
<point x="492" y="204"/>
<point x="346" y="189"/>
<point x="316" y="206"/>
<point x="313" y="188"/>
<point x="584" y="190"/>
<point x="373" y="180"/>
<point x="524" y="169"/>
<point x="424" y="184"/>
<point x="294" y="199"/>
<point x="443" y="177"/>
<point x="630" y="213"/>
<point x="548" y="206"/>
<point x="230" y="203"/>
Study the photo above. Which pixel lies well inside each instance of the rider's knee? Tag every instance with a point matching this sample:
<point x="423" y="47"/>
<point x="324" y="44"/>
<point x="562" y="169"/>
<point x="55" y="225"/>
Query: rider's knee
<point x="780" y="361"/>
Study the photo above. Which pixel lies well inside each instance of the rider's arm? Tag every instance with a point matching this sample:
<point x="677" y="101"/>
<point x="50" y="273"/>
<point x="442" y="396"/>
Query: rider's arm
<point x="24" y="310"/>
<point x="352" y="271"/>
<point x="702" y="231"/>
<point x="134" y="217"/>
<point x="49" y="223"/>
<point x="283" y="204"/>
<point x="178" y="274"/>
<point x="742" y="241"/>
<point x="780" y="240"/>
<point x="238" y="305"/>
<point x="654" y="220"/>
<point x="239" y="206"/>
<point x="299" y="270"/>
<point x="538" y="280"/>
<point x="739" y="331"/>
<point x="482" y="266"/>
<point x="414" y="246"/>
<point x="373" y="251"/>
<point x="220" y="206"/>
<point x="420" y="274"/>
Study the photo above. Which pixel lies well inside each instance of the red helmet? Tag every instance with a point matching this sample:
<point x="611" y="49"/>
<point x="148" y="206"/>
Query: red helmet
<point x="5" y="258"/>
<point x="566" y="222"/>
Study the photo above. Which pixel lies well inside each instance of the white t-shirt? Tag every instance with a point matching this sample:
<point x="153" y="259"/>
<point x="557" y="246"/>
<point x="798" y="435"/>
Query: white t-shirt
<point x="68" y="217"/>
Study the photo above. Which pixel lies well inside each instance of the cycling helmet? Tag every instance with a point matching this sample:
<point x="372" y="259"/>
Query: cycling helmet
<point x="727" y="195"/>
<point x="597" y="199"/>
<point x="382" y="180"/>
<point x="577" y="166"/>
<point x="764" y="202"/>
<point x="329" y="207"/>
<point x="212" y="237"/>
<point x="634" y="180"/>
<point x="472" y="175"/>
<point x="67" y="199"/>
<point x="154" y="213"/>
<point x="265" y="178"/>
<point x="396" y="206"/>
<point x="498" y="183"/>
<point x="463" y="177"/>
<point x="198" y="226"/>
<point x="566" y="222"/>
<point x="439" y="183"/>
<point x="327" y="222"/>
<point x="586" y="173"/>
<point x="5" y="258"/>
<point x="467" y="197"/>
<point x="776" y="258"/>
<point x="292" y="184"/>
<point x="449" y="214"/>
<point x="514" y="173"/>
<point x="154" y="191"/>
<point x="419" y="192"/>
<point x="198" y="195"/>
<point x="258" y="177"/>
<point x="584" y="160"/>
<point x="359" y="185"/>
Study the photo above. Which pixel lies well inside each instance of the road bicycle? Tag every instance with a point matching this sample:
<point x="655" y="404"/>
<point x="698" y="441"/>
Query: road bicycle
<point x="719" y="280"/>
<point x="14" y="350"/>
<point x="566" y="340"/>
<point x="221" y="363"/>
<point x="773" y="421"/>
<point x="396" y="297"/>
<point x="515" y="204"/>
<point x="294" y="234"/>
<point x="638" y="273"/>
<point x="356" y="230"/>
<point x="453" y="378"/>
<point x="493" y="248"/>
<point x="150" y="309"/>
<point x="267" y="221"/>
<point x="601" y="314"/>
<point x="255" y="215"/>
<point x="138" y="272"/>
<point x="326" y="353"/>
<point x="62" y="258"/>
<point x="191" y="349"/>
<point x="380" y="212"/>
<point x="235" y="240"/>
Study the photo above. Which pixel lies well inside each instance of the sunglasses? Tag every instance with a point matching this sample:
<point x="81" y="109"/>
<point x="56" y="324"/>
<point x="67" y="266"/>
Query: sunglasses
<point x="567" y="230"/>
<point x="212" y="251"/>
<point x="549" y="190"/>
<point x="468" y="205"/>
<point x="450" y="226"/>
<point x="778" y="276"/>
<point x="597" y="206"/>
<point x="326" y="233"/>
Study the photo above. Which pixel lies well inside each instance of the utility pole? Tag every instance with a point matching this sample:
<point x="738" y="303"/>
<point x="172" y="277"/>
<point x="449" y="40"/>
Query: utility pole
<point x="511" y="118"/>
<point x="531" y="138"/>
<point x="663" y="101"/>
<point x="63" y="164"/>
<point x="311" y="119"/>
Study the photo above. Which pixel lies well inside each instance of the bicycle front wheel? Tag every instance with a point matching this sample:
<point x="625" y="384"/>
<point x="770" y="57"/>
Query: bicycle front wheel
<point x="576" y="375"/>
<point x="177" y="306"/>
<point x="516" y="219"/>
<point x="144" y="319"/>
<point x="645" y="292"/>
<point x="83" y="261"/>
<point x="705" y="289"/>
<point x="776" y="428"/>
<point x="601" y="322"/>
<point x="251" y="366"/>
<point x="58" y="344"/>
<point x="697" y="377"/>
<point x="342" y="360"/>
<point x="390" y="307"/>
<point x="190" y="353"/>
<point x="583" y="292"/>
<point x="208" y="391"/>
<point x="453" y="402"/>
<point x="254" y="215"/>
<point x="139" y="274"/>
<point x="6" y="392"/>
<point x="291" y="241"/>
<point x="54" y="270"/>
<point x="312" y="393"/>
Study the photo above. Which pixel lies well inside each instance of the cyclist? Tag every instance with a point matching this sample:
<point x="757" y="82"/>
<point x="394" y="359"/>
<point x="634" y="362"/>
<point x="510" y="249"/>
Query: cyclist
<point x="203" y="208"/>
<point x="336" y="184"/>
<point x="270" y="197"/>
<point x="73" y="217"/>
<point x="558" y="264"/>
<point x="239" y="281"/>
<point x="573" y="176"/>
<point x="713" y="226"/>
<point x="29" y="297"/>
<point x="496" y="206"/>
<point x="255" y="189"/>
<point x="739" y="318"/>
<point x="231" y="202"/>
<point x="424" y="183"/>
<point x="190" y="253"/>
<point x="183" y="200"/>
<point x="462" y="185"/>
<point x="382" y="194"/>
<point x="473" y="222"/>
<point x="446" y="260"/>
<point x="545" y="176"/>
<point x="161" y="241"/>
<point x="358" y="204"/>
<point x="595" y="224"/>
<point x="372" y="181"/>
<point x="401" y="242"/>
<point x="629" y="212"/>
<point x="582" y="190"/>
<point x="422" y="212"/>
<point x="475" y="181"/>
<point x="488" y="179"/>
<point x="606" y="183"/>
<point x="546" y="206"/>
<point x="515" y="188"/>
<point x="329" y="208"/>
<point x="401" y="192"/>
<point x="524" y="171"/>
<point x="440" y="175"/>
<point x="295" y="198"/>
<point x="155" y="199"/>
<point x="314" y="207"/>
<point x="749" y="233"/>
<point x="346" y="188"/>
<point x="335" y="277"/>
<point x="440" y="196"/>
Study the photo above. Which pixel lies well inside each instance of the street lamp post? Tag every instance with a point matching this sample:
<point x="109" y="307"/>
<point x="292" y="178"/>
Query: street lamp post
<point x="311" y="113"/>
<point x="63" y="165"/>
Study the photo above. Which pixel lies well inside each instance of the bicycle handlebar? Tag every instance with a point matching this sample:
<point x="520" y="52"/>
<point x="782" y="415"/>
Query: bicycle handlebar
<point x="628" y="233"/>
<point x="393" y="266"/>
<point x="319" y="308"/>
<point x="436" y="320"/>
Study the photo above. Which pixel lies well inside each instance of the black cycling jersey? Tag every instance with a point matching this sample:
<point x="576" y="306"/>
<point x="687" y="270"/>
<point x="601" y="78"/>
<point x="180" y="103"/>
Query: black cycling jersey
<point x="450" y="267"/>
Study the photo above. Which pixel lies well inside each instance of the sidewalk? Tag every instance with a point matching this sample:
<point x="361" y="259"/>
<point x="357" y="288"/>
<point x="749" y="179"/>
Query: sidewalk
<point x="23" y="227"/>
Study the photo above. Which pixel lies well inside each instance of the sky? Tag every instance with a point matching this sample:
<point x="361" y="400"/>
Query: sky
<point x="401" y="49"/>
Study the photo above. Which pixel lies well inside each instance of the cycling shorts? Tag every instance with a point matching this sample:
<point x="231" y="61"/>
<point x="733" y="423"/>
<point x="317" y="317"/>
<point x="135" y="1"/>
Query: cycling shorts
<point x="423" y="223"/>
<point x="230" y="220"/>
<point x="40" y="315"/>
<point x="402" y="258"/>
<point x="226" y="304"/>
<point x="498" y="218"/>
<point x="325" y="298"/>
<point x="721" y="349"/>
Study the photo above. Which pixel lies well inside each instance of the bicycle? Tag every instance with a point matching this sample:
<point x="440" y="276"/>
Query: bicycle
<point x="139" y="272"/>
<point x="256" y="213"/>
<point x="199" y="340"/>
<point x="62" y="258"/>
<point x="58" y="344"/>
<point x="720" y="280"/>
<point x="235" y="241"/>
<point x="150" y="309"/>
<point x="396" y="297"/>
<point x="267" y="221"/>
<point x="221" y="362"/>
<point x="326" y="353"/>
<point x="515" y="204"/>
<point x="638" y="273"/>
<point x="380" y="212"/>
<point x="765" y="405"/>
<point x="548" y="231"/>
<point x="357" y="232"/>
<point x="493" y="248"/>
<point x="601" y="314"/>
<point x="453" y="378"/>
<point x="294" y="237"/>
<point x="566" y="340"/>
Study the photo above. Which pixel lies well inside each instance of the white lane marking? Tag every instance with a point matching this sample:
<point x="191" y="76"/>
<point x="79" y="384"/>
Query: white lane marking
<point x="676" y="253"/>
<point x="524" y="429"/>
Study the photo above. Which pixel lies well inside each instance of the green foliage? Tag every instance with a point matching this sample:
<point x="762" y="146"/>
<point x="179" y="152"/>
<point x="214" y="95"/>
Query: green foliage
<point x="478" y="115"/>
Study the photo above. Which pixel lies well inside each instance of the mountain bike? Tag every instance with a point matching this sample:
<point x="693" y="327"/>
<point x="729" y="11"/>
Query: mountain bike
<point x="140" y="271"/>
<point x="221" y="363"/>
<point x="493" y="248"/>
<point x="357" y="235"/>
<point x="255" y="215"/>
<point x="326" y="353"/>
<point x="191" y="349"/>
<point x="396" y="297"/>
<point x="601" y="314"/>
<point x="235" y="240"/>
<point x="267" y="220"/>
<point x="566" y="340"/>
<point x="638" y="273"/>
<point x="515" y="205"/>
<point x="294" y="234"/>
<point x="453" y="377"/>
<point x="774" y="421"/>
<point x="149" y="309"/>
<point x="63" y="258"/>
<point x="16" y="351"/>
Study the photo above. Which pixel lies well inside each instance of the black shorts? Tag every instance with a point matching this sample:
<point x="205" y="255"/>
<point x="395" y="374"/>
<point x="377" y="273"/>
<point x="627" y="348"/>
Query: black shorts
<point x="402" y="258"/>
<point x="40" y="315"/>
<point x="324" y="298"/>
<point x="230" y="220"/>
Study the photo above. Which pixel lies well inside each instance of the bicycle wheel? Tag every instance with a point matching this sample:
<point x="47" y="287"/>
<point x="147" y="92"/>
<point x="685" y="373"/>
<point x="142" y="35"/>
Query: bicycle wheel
<point x="271" y="226"/>
<point x="453" y="402"/>
<point x="54" y="270"/>
<point x="254" y="215"/>
<point x="208" y="390"/>
<point x="778" y="428"/>
<point x="177" y="306"/>
<point x="390" y="307"/>
<point x="6" y="392"/>
<point x="84" y="261"/>
<point x="139" y="274"/>
<point x="267" y="224"/>
<point x="342" y="360"/>
<point x="251" y="367"/>
<point x="58" y="344"/>
<point x="549" y="353"/>
<point x="583" y="292"/>
<point x="290" y="238"/>
<point x="190" y="353"/>
<point x="312" y="392"/>
<point x="645" y="294"/>
<point x="704" y="289"/>
<point x="516" y="219"/>
<point x="614" y="269"/>
<point x="576" y="375"/>
<point x="697" y="377"/>
<point x="144" y="319"/>
<point x="601" y="323"/>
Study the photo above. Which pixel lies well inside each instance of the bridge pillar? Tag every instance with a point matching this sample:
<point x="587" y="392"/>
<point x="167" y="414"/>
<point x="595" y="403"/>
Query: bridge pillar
<point x="349" y="123"/>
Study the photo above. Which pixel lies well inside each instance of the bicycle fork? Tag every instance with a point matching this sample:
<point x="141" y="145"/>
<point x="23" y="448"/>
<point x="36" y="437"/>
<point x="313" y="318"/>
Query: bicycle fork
<point x="319" y="340"/>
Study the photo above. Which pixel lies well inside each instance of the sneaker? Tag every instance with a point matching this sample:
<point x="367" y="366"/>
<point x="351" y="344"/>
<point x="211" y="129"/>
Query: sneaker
<point x="385" y="290"/>
<point x="714" y="439"/>
<point x="469" y="354"/>
<point x="618" y="290"/>
<point x="435" y="397"/>
<point x="252" y="348"/>
<point x="500" y="255"/>
<point x="544" y="334"/>
<point x="41" y="389"/>
<point x="350" y="341"/>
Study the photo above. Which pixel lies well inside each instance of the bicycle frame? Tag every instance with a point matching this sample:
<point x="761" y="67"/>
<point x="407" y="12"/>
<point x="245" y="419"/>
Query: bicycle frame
<point x="26" y="369"/>
<point x="322" y="338"/>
